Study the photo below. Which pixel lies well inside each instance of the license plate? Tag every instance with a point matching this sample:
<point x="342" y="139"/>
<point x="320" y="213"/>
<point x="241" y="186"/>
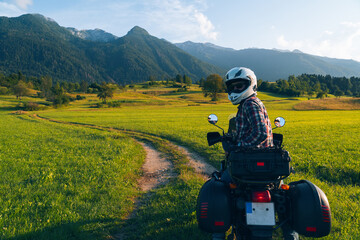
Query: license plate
<point x="260" y="213"/>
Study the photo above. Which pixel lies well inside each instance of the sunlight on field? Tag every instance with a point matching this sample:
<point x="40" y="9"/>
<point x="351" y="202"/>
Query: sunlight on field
<point x="330" y="104"/>
<point x="56" y="180"/>
<point x="323" y="144"/>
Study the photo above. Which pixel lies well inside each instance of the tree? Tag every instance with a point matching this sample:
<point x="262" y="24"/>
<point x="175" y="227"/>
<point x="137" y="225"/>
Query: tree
<point x="106" y="91"/>
<point x="84" y="86"/>
<point x="46" y="84"/>
<point x="338" y="93"/>
<point x="321" y="95"/>
<point x="2" y="80"/>
<point x="201" y="82"/>
<point x="20" y="89"/>
<point x="58" y="96"/>
<point x="187" y="80"/>
<point x="213" y="85"/>
<point x="3" y="90"/>
<point x="71" y="87"/>
<point x="179" y="79"/>
<point x="152" y="80"/>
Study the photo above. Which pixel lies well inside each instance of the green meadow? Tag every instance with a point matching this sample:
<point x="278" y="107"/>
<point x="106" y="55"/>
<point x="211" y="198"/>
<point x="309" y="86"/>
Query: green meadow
<point x="62" y="181"/>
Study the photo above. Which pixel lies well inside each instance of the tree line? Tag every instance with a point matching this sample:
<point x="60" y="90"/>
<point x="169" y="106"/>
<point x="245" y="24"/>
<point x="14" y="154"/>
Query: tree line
<point x="56" y="92"/>
<point x="305" y="84"/>
<point x="312" y="84"/>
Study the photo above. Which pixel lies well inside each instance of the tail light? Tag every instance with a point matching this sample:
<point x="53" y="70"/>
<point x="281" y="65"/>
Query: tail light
<point x="261" y="196"/>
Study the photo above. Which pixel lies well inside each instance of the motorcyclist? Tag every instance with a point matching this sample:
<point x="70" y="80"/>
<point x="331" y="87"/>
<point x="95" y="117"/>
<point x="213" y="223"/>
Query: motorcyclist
<point x="253" y="127"/>
<point x="252" y="123"/>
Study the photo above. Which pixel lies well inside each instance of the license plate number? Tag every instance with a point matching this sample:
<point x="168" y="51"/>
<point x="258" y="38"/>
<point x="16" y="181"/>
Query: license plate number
<point x="260" y="213"/>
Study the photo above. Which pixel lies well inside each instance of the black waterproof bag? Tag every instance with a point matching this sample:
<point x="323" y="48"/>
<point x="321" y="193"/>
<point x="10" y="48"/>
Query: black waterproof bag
<point x="260" y="163"/>
<point x="213" y="209"/>
<point x="310" y="209"/>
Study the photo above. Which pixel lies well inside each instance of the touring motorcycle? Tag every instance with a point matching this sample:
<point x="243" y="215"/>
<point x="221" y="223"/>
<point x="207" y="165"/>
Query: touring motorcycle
<point x="256" y="202"/>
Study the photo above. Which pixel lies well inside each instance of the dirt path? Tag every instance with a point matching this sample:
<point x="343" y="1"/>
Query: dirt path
<point x="154" y="163"/>
<point x="157" y="170"/>
<point x="197" y="162"/>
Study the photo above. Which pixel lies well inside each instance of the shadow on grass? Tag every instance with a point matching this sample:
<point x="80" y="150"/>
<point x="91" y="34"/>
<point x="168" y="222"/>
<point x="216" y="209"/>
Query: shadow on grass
<point x="165" y="213"/>
<point x="168" y="213"/>
<point x="9" y="108"/>
<point x="83" y="230"/>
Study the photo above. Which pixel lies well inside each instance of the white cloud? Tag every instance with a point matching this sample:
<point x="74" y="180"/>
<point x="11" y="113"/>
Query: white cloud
<point x="181" y="20"/>
<point x="339" y="42"/>
<point x="174" y="20"/>
<point x="287" y="44"/>
<point x="206" y="27"/>
<point x="23" y="4"/>
<point x="351" y="24"/>
<point x="282" y="42"/>
<point x="9" y="10"/>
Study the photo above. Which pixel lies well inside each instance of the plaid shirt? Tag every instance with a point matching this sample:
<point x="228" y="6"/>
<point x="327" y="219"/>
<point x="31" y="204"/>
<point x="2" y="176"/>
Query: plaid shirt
<point x="253" y="125"/>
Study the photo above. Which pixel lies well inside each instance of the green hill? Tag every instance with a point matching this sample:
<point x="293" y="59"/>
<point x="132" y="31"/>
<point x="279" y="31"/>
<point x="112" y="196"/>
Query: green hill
<point x="36" y="45"/>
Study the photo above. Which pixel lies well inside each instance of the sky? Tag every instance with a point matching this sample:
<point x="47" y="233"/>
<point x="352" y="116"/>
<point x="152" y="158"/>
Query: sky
<point x="328" y="28"/>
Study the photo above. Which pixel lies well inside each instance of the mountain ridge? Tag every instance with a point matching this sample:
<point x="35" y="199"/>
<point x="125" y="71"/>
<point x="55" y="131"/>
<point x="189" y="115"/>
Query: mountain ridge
<point x="271" y="65"/>
<point x="96" y="35"/>
<point x="37" y="46"/>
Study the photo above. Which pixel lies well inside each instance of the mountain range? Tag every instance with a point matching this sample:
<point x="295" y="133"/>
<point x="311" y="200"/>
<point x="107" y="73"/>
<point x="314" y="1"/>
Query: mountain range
<point x="271" y="65"/>
<point x="38" y="46"/>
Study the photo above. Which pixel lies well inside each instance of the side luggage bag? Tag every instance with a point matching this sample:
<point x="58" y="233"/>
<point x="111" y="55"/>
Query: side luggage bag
<point x="213" y="209"/>
<point x="310" y="209"/>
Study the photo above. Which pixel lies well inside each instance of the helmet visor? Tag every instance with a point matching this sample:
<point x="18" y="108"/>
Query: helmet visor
<point x="237" y="86"/>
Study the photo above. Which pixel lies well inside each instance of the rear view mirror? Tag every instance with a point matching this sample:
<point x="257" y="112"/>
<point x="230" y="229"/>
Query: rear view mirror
<point x="213" y="119"/>
<point x="279" y="122"/>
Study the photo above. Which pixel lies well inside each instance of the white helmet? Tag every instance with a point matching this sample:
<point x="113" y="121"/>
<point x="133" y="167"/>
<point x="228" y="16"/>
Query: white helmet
<point x="243" y="77"/>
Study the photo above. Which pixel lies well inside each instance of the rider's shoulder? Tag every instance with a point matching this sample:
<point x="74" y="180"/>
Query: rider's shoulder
<point x="251" y="101"/>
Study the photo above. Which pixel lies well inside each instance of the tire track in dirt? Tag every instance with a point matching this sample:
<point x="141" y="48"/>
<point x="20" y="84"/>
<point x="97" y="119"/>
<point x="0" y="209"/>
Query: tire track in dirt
<point x="157" y="170"/>
<point x="197" y="162"/>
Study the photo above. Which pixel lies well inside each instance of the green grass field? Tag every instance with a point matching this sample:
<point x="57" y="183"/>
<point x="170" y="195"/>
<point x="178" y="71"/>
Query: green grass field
<point x="63" y="182"/>
<point x="40" y="158"/>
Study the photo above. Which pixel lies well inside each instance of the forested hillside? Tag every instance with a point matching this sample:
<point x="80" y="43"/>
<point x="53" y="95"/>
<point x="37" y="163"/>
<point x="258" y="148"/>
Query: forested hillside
<point x="38" y="46"/>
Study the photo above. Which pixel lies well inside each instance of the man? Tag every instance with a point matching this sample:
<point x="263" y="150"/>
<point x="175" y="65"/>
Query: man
<point x="253" y="127"/>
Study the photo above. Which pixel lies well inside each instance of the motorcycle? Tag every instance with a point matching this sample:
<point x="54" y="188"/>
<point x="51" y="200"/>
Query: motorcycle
<point x="248" y="194"/>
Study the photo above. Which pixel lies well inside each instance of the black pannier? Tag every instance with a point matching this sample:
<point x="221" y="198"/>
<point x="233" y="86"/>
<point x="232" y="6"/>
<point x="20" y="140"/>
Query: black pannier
<point x="213" y="207"/>
<point x="310" y="209"/>
<point x="262" y="163"/>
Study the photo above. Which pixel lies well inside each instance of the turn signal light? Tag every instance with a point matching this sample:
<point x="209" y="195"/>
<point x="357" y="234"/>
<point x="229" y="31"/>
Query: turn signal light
<point x="263" y="196"/>
<point x="285" y="187"/>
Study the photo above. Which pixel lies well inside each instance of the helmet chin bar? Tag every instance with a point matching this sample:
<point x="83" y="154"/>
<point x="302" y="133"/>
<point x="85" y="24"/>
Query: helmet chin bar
<point x="236" y="98"/>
